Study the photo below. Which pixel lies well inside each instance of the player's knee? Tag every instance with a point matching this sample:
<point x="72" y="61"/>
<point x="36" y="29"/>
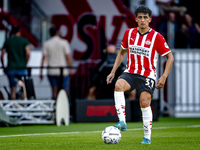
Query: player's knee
<point x="92" y="90"/>
<point x="119" y="86"/>
<point x="144" y="103"/>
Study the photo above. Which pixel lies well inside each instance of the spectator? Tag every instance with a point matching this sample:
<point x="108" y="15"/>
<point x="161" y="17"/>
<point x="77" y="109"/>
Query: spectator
<point x="98" y="82"/>
<point x="170" y="29"/>
<point x="151" y="4"/>
<point x="18" y="53"/>
<point x="192" y="31"/>
<point x="57" y="53"/>
<point x="170" y="5"/>
<point x="134" y="4"/>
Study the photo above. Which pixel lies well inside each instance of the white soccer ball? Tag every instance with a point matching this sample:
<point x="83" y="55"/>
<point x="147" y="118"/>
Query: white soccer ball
<point x="111" y="135"/>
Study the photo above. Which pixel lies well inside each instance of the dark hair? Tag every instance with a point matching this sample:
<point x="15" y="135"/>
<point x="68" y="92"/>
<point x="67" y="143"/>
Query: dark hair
<point x="15" y="29"/>
<point x="53" y="31"/>
<point x="109" y="44"/>
<point x="143" y="9"/>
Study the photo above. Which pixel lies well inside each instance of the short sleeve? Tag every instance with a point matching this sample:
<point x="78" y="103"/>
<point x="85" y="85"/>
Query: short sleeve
<point x="124" y="43"/>
<point x="161" y="45"/>
<point x="44" y="49"/>
<point x="66" y="47"/>
<point x="26" y="42"/>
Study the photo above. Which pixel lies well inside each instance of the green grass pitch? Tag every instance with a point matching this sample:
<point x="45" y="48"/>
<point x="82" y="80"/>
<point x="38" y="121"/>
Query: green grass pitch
<point x="167" y="133"/>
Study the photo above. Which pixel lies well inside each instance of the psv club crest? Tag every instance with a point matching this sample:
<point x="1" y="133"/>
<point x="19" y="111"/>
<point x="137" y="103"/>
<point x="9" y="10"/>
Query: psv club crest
<point x="148" y="42"/>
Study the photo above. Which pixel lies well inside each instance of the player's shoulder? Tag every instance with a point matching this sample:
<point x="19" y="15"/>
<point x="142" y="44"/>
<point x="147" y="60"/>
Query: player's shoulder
<point x="133" y="30"/>
<point x="22" y="39"/>
<point x="64" y="40"/>
<point x="46" y="42"/>
<point x="158" y="35"/>
<point x="17" y="39"/>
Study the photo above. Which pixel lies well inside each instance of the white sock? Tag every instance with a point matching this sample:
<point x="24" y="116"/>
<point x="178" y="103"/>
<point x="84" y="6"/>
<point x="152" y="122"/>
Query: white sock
<point x="147" y="121"/>
<point x="120" y="105"/>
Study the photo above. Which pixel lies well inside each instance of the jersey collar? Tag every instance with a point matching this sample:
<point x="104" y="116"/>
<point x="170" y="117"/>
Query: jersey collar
<point x="144" y="33"/>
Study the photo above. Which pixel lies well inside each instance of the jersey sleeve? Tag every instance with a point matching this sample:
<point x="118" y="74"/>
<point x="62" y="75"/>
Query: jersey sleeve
<point x="124" y="43"/>
<point x="161" y="45"/>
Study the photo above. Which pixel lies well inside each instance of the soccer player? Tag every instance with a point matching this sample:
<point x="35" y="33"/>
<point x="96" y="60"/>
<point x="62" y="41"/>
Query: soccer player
<point x="143" y="45"/>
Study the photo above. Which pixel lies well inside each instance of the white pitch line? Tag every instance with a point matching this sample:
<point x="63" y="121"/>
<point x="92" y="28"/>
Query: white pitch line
<point x="191" y="126"/>
<point x="39" y="134"/>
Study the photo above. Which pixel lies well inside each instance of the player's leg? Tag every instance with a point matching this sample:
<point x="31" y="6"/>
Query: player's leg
<point x="146" y="88"/>
<point x="54" y="85"/>
<point x="12" y="83"/>
<point x="132" y="95"/>
<point x="66" y="84"/>
<point x="13" y="93"/>
<point x="23" y="74"/>
<point x="92" y="93"/>
<point x="145" y="101"/>
<point x="54" y="92"/>
<point x="121" y="86"/>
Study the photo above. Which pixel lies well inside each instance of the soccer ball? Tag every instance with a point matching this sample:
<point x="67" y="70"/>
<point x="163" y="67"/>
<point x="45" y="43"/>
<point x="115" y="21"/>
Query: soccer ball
<point x="111" y="135"/>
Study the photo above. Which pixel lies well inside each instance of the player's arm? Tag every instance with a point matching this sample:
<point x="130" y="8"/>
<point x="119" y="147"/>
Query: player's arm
<point x="44" y="57"/>
<point x="28" y="53"/>
<point x="68" y="58"/>
<point x="168" y="66"/>
<point x="197" y="27"/>
<point x="42" y="65"/>
<point x="69" y="62"/>
<point x="3" y="51"/>
<point x="118" y="61"/>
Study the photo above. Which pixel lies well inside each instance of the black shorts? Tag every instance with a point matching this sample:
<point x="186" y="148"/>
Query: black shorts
<point x="140" y="82"/>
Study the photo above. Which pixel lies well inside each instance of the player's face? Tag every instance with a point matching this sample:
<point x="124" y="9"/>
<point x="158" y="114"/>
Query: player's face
<point x="143" y="20"/>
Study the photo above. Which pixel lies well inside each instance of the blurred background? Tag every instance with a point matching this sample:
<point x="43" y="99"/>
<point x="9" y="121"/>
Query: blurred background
<point x="89" y="26"/>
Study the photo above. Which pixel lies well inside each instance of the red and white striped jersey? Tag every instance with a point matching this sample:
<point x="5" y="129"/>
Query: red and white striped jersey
<point x="143" y="51"/>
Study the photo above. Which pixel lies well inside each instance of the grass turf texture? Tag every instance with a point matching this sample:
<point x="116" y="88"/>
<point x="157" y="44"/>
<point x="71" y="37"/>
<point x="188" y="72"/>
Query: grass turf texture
<point x="167" y="133"/>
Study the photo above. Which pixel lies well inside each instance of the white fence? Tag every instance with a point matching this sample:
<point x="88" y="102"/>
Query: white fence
<point x="183" y="86"/>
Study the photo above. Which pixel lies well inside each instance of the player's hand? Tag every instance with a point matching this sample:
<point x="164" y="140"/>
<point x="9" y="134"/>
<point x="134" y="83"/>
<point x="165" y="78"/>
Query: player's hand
<point x="71" y="72"/>
<point x="161" y="82"/>
<point x="110" y="77"/>
<point x="41" y="76"/>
